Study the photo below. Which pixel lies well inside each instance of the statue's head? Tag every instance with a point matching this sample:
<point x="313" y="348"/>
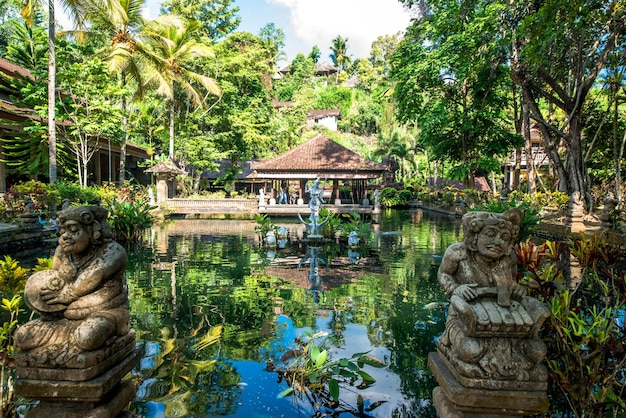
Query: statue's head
<point x="491" y="233"/>
<point x="92" y="219"/>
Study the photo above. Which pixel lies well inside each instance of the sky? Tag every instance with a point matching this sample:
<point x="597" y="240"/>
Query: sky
<point x="316" y="22"/>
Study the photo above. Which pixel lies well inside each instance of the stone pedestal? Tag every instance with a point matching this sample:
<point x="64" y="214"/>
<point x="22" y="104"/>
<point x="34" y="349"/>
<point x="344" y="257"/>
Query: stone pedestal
<point x="488" y="362"/>
<point x="453" y="400"/>
<point x="104" y="396"/>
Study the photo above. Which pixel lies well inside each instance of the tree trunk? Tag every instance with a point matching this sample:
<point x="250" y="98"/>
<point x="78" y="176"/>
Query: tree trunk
<point x="52" y="135"/>
<point x="196" y="181"/>
<point x="530" y="158"/>
<point x="124" y="129"/>
<point x="172" y="129"/>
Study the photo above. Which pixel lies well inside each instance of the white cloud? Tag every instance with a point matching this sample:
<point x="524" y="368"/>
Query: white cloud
<point x="317" y="22"/>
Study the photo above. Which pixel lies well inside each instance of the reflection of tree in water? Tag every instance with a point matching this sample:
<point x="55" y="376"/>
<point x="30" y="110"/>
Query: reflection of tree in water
<point x="221" y="280"/>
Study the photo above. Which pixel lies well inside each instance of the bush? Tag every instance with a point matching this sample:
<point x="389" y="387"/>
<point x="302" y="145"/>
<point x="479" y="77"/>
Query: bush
<point x="530" y="216"/>
<point x="41" y="197"/>
<point x="585" y="335"/>
<point x="130" y="219"/>
<point x="77" y="194"/>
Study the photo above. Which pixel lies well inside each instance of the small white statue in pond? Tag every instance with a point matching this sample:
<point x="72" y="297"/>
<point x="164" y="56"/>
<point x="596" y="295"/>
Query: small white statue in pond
<point x="282" y="232"/>
<point x="353" y="239"/>
<point x="270" y="238"/>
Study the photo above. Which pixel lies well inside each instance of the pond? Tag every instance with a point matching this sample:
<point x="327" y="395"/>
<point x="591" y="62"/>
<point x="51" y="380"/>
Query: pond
<point x="217" y="315"/>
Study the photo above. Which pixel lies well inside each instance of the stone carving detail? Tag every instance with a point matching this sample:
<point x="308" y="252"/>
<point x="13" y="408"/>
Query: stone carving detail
<point x="491" y="341"/>
<point x="83" y="331"/>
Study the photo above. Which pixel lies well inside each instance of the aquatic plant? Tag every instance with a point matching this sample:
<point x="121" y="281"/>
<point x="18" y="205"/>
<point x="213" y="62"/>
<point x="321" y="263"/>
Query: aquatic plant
<point x="314" y="375"/>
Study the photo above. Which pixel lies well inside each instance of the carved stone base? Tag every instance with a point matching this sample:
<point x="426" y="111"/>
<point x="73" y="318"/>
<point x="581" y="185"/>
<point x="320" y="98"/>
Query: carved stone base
<point x="92" y="363"/>
<point x="109" y="407"/>
<point x="453" y="400"/>
<point x="85" y="394"/>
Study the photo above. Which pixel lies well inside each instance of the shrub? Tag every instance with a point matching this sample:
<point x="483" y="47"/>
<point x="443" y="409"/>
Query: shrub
<point x="530" y="216"/>
<point x="42" y="198"/>
<point x="129" y="220"/>
<point x="585" y="335"/>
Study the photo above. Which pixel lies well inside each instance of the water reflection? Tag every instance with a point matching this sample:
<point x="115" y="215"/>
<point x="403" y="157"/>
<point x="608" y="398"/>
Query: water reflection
<point x="211" y="307"/>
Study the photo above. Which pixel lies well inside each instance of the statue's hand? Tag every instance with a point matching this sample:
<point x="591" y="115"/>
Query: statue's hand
<point x="518" y="292"/>
<point x="466" y="291"/>
<point x="54" y="297"/>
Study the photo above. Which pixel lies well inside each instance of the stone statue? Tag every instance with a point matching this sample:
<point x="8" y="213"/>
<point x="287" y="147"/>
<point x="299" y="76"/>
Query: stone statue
<point x="82" y="301"/>
<point x="491" y="341"/>
<point x="315" y="203"/>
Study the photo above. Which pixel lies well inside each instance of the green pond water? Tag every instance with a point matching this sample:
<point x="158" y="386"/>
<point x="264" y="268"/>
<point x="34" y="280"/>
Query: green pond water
<point x="211" y="308"/>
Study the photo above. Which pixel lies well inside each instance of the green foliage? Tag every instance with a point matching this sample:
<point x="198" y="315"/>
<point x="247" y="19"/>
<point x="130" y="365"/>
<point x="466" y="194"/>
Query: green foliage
<point x="390" y="197"/>
<point x="452" y="79"/>
<point x="585" y="335"/>
<point x="129" y="220"/>
<point x="218" y="17"/>
<point x="314" y="373"/>
<point x="264" y="225"/>
<point x="333" y="225"/>
<point x="356" y="224"/>
<point x="12" y="276"/>
<point x="8" y="403"/>
<point x="43" y="197"/>
<point x="77" y="194"/>
<point x="530" y="216"/>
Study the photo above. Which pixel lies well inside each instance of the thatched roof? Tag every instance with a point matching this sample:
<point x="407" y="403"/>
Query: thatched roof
<point x="318" y="157"/>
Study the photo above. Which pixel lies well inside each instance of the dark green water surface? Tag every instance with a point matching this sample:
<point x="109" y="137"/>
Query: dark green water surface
<point x="210" y="308"/>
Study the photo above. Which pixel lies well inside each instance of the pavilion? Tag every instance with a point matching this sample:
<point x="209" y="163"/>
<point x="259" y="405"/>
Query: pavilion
<point x="320" y="157"/>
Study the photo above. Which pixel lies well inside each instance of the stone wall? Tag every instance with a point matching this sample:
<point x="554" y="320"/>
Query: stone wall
<point x="24" y="237"/>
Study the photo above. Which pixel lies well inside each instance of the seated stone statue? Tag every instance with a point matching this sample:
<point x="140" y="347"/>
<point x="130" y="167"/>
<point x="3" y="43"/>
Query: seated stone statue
<point x="492" y="326"/>
<point x="82" y="301"/>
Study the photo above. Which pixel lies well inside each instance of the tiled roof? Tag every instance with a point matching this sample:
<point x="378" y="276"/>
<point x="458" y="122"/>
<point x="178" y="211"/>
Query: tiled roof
<point x="9" y="68"/>
<point x="318" y="154"/>
<point x="323" y="113"/>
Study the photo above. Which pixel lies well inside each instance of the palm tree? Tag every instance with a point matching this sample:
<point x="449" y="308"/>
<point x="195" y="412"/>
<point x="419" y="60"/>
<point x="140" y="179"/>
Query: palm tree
<point x="339" y="55"/>
<point x="123" y="21"/>
<point x="170" y="47"/>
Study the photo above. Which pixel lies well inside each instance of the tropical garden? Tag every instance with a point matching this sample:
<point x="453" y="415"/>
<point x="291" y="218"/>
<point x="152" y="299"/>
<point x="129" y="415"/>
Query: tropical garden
<point x="453" y="97"/>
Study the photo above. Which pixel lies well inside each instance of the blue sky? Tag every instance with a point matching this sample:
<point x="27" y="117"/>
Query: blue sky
<point x="317" y="22"/>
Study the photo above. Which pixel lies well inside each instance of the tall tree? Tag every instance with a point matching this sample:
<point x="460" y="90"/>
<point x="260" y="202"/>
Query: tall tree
<point x="274" y="41"/>
<point x="75" y="9"/>
<point x="315" y="54"/>
<point x="217" y="17"/>
<point x="88" y="108"/>
<point x="560" y="49"/>
<point x="451" y="78"/>
<point x="170" y="48"/>
<point x="27" y="46"/>
<point x="339" y="54"/>
<point x="122" y="21"/>
<point x="382" y="50"/>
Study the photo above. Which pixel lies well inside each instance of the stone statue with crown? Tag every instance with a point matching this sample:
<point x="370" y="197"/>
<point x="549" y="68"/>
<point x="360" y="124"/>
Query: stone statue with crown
<point x="489" y="359"/>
